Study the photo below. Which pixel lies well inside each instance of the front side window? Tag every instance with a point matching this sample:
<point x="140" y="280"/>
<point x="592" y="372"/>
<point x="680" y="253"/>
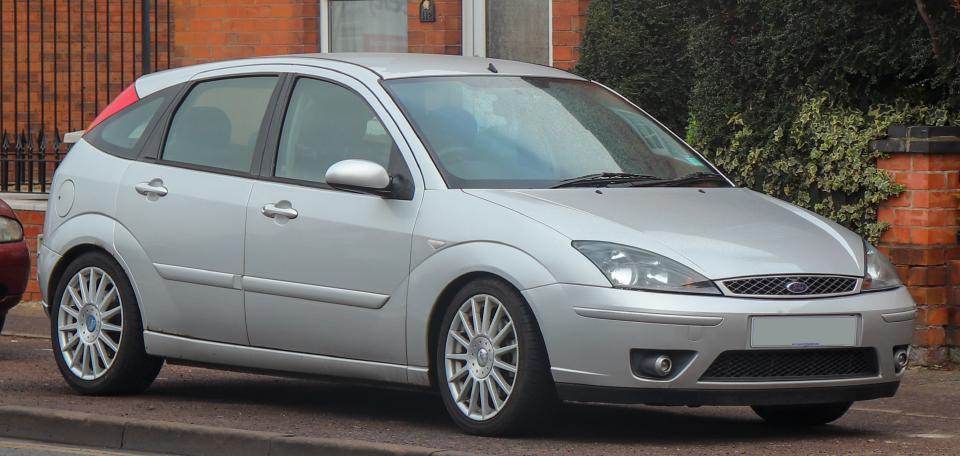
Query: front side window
<point x="324" y="124"/>
<point x="368" y="26"/>
<point x="519" y="132"/>
<point x="219" y="122"/>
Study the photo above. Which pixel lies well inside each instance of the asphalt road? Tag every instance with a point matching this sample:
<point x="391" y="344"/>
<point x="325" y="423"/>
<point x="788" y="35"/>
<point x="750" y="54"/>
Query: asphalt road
<point x="924" y="417"/>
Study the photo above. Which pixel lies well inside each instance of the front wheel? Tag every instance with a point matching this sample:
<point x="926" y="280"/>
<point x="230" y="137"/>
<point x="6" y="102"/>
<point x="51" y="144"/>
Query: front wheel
<point x="97" y="332"/>
<point x="491" y="363"/>
<point x="802" y="415"/>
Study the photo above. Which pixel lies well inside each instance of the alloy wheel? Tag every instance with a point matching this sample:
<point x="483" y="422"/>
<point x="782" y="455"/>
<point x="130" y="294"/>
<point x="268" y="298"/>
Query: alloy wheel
<point x="481" y="357"/>
<point x="90" y="323"/>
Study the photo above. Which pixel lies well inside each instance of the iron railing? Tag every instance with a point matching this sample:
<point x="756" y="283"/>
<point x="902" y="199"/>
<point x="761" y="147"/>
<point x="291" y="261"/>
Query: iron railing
<point x="28" y="161"/>
<point x="63" y="61"/>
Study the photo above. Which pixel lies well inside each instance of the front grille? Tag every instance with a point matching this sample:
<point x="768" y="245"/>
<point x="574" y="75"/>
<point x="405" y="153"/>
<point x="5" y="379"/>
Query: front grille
<point x="783" y="365"/>
<point x="787" y="286"/>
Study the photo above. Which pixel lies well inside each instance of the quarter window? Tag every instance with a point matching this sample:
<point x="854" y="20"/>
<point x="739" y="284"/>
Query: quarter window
<point x="218" y="123"/>
<point x="121" y="133"/>
<point x="326" y="123"/>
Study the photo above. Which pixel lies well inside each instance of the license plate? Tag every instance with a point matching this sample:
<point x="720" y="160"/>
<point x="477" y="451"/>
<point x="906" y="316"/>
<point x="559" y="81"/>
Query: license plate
<point x="818" y="331"/>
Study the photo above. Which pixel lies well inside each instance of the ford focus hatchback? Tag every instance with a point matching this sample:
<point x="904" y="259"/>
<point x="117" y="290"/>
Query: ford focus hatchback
<point x="509" y="235"/>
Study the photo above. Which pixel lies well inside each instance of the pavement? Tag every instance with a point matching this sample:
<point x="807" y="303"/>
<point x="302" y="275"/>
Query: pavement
<point x="10" y="447"/>
<point x="924" y="417"/>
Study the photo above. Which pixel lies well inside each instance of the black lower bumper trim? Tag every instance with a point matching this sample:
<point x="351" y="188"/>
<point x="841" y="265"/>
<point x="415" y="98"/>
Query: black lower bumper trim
<point x="765" y="396"/>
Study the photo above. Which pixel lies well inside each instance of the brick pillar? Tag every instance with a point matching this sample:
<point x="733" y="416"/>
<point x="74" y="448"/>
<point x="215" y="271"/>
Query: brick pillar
<point x="922" y="238"/>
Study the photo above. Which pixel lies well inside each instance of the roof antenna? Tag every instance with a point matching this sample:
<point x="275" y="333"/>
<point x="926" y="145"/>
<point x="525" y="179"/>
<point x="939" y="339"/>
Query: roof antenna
<point x="492" y="68"/>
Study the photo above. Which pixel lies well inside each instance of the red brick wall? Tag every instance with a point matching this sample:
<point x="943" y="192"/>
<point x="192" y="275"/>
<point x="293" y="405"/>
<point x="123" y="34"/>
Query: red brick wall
<point x="61" y="61"/>
<point x="441" y="37"/>
<point x="32" y="227"/>
<point x="922" y="244"/>
<point x="209" y="30"/>
<point x="569" y="22"/>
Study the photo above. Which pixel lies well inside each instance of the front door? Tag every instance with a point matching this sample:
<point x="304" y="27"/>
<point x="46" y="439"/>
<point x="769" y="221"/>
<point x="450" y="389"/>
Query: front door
<point x="186" y="208"/>
<point x="325" y="270"/>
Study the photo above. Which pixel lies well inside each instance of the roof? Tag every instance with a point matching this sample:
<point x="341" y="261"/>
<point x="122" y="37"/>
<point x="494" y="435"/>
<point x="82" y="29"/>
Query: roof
<point x="385" y="66"/>
<point x="393" y="66"/>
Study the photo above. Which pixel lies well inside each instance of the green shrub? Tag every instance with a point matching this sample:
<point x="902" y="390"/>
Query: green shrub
<point x="785" y="95"/>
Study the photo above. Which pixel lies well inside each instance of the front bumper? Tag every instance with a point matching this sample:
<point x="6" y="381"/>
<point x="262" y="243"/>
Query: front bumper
<point x="590" y="331"/>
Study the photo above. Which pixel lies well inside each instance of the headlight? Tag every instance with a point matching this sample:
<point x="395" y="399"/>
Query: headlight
<point x="10" y="230"/>
<point x="881" y="275"/>
<point x="636" y="269"/>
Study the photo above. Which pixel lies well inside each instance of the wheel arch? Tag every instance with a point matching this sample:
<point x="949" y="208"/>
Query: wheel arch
<point x="434" y="282"/>
<point x="91" y="232"/>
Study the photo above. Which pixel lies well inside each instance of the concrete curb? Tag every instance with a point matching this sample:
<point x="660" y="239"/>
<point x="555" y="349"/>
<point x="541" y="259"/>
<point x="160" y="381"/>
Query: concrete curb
<point x="84" y="429"/>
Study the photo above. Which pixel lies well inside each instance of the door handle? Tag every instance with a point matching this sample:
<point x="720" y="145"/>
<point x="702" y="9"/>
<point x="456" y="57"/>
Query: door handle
<point x="273" y="210"/>
<point x="154" y="187"/>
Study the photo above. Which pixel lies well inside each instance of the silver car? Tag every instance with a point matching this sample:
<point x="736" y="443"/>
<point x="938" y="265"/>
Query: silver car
<point x="510" y="235"/>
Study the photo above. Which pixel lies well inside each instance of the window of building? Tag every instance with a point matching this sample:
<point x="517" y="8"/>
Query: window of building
<point x="324" y="124"/>
<point x="367" y="25"/>
<point x="518" y="30"/>
<point x="218" y="123"/>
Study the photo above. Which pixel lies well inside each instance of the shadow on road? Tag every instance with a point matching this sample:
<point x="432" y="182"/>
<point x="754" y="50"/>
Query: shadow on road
<point x="676" y="426"/>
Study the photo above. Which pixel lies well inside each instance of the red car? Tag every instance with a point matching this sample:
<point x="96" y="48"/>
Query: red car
<point x="14" y="261"/>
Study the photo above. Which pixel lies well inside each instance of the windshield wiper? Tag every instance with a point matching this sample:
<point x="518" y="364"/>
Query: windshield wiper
<point x="605" y="179"/>
<point x="692" y="178"/>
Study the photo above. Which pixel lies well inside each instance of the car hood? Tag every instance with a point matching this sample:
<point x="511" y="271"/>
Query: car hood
<point x="720" y="232"/>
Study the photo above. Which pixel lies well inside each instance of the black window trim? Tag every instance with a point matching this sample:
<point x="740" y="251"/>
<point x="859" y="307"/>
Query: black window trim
<point x="153" y="154"/>
<point x="398" y="168"/>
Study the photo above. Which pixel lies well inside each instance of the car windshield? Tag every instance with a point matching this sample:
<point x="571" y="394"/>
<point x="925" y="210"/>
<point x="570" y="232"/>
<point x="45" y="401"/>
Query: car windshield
<point x="526" y="132"/>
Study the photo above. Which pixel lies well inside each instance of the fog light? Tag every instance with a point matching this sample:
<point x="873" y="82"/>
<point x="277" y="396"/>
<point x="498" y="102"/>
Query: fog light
<point x="901" y="357"/>
<point x="659" y="366"/>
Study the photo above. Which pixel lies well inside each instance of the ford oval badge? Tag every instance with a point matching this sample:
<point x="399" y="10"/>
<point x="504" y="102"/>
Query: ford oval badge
<point x="797" y="287"/>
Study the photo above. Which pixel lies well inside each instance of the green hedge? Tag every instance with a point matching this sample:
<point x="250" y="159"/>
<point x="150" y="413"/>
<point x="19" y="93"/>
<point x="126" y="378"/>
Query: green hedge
<point x="785" y="95"/>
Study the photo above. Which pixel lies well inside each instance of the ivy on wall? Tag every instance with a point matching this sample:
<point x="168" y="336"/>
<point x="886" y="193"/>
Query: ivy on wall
<point x="785" y="95"/>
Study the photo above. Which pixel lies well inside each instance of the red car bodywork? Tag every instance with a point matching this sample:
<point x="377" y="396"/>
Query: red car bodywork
<point x="14" y="267"/>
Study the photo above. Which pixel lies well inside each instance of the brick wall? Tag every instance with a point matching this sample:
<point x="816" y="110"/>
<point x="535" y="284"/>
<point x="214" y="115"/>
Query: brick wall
<point x="569" y="22"/>
<point x="62" y="61"/>
<point x="922" y="238"/>
<point x="441" y="37"/>
<point x="209" y="30"/>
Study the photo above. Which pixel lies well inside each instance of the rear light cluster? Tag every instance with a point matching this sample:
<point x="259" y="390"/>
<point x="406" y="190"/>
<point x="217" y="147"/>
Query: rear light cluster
<point x="126" y="98"/>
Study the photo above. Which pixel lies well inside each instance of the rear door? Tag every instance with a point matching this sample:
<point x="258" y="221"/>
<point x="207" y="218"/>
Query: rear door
<point x="332" y="279"/>
<point x="185" y="204"/>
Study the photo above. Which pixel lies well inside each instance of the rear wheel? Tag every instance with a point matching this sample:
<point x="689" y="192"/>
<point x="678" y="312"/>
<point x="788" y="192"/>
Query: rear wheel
<point x="492" y="368"/>
<point x="802" y="415"/>
<point x="97" y="332"/>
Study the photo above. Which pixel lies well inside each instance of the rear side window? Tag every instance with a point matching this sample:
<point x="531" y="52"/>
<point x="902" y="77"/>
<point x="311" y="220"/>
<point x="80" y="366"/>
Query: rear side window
<point x="218" y="123"/>
<point x="122" y="133"/>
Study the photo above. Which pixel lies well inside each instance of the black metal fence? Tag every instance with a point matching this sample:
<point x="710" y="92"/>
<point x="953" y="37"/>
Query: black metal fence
<point x="61" y="62"/>
<point x="27" y="162"/>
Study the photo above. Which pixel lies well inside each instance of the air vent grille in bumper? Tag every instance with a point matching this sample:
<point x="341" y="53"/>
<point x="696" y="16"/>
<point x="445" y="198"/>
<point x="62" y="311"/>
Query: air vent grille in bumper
<point x="791" y="286"/>
<point x="784" y="365"/>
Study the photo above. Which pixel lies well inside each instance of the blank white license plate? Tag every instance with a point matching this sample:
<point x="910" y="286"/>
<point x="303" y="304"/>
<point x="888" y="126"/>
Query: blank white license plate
<point x="818" y="331"/>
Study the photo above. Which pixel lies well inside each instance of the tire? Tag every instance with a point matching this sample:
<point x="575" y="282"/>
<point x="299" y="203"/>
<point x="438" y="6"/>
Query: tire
<point x="504" y="403"/>
<point x="802" y="415"/>
<point x="3" y="319"/>
<point x="100" y="330"/>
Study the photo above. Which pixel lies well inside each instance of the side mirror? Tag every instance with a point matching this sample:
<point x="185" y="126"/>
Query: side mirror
<point x="359" y="176"/>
